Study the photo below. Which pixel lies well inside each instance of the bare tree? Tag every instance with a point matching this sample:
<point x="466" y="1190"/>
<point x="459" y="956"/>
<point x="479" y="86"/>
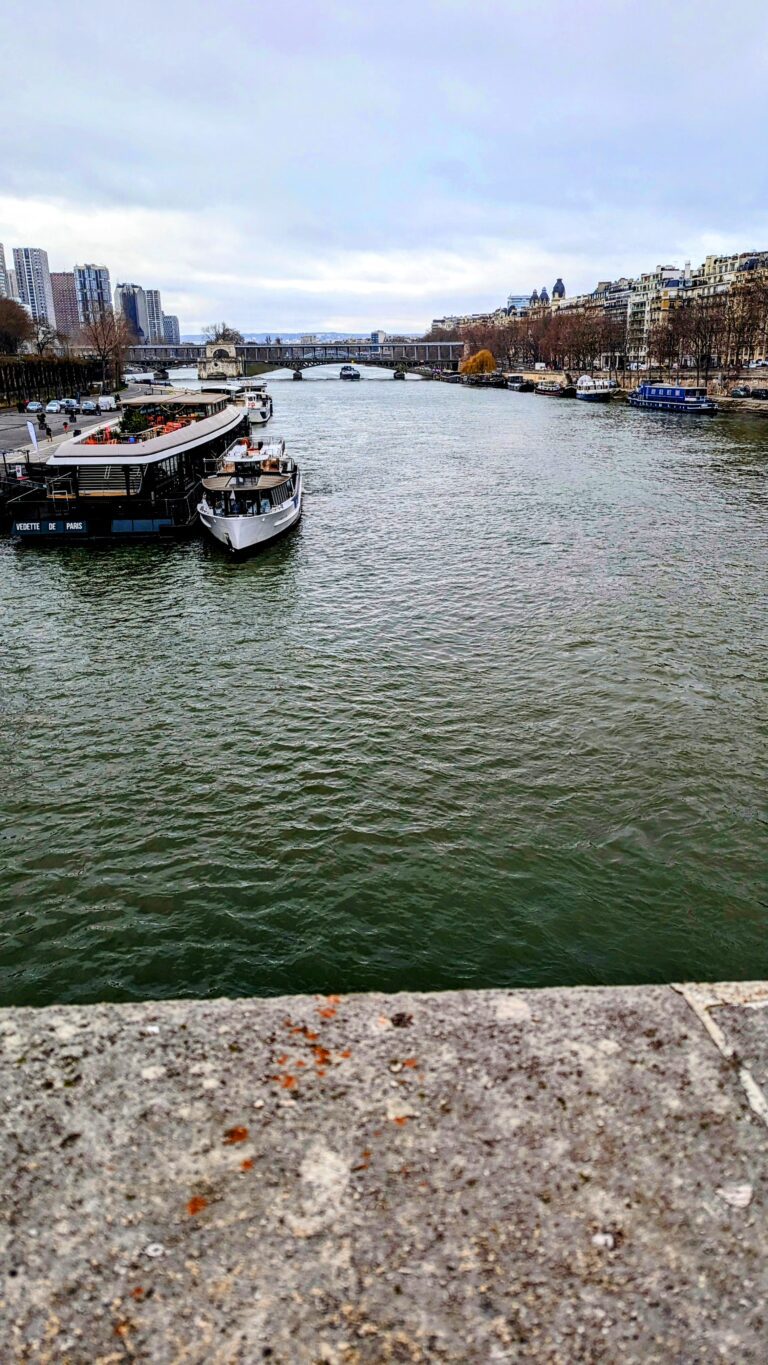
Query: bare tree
<point x="107" y="336"/>
<point x="221" y="331"/>
<point x="46" y="338"/>
<point x="708" y="332"/>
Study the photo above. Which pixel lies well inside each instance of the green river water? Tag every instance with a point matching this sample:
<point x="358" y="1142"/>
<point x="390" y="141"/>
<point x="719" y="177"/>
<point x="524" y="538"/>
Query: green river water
<point x="494" y="715"/>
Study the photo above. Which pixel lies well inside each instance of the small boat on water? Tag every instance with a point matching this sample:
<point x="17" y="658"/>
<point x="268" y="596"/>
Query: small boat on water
<point x="670" y="398"/>
<point x="253" y="496"/>
<point x="258" y="404"/>
<point x="349" y="372"/>
<point x="399" y="374"/>
<point x="552" y="388"/>
<point x="519" y="384"/>
<point x="591" y="390"/>
<point x="160" y="377"/>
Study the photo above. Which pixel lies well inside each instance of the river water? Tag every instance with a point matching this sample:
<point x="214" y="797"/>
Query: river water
<point x="494" y="715"/>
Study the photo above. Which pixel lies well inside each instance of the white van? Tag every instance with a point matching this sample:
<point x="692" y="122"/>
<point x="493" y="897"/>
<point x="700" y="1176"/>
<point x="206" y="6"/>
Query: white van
<point x="106" y="403"/>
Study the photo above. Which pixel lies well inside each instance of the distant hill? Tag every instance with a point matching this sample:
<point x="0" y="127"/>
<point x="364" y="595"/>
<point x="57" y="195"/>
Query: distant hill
<point x="197" y="338"/>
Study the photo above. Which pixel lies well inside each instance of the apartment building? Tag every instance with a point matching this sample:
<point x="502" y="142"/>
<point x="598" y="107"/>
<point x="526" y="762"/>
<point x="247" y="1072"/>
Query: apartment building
<point x="33" y="283"/>
<point x="155" y="315"/>
<point x="94" y="294"/>
<point x="65" y="302"/>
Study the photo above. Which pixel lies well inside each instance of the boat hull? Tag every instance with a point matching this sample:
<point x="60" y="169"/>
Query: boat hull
<point x="659" y="405"/>
<point x="258" y="417"/>
<point x="245" y="535"/>
<point x="602" y="396"/>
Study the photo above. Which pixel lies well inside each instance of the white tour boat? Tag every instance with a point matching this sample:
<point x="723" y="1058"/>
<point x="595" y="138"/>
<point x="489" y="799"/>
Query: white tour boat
<point x="258" y="404"/>
<point x="594" y="390"/>
<point x="254" y="496"/>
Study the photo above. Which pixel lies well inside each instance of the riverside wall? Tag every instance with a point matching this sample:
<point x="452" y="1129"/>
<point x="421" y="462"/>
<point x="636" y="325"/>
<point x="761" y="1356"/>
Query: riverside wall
<point x="565" y="1176"/>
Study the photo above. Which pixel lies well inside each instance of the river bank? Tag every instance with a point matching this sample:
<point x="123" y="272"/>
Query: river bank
<point x="481" y="1176"/>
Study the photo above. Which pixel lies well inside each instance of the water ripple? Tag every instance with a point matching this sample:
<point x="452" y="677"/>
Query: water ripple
<point x="495" y="714"/>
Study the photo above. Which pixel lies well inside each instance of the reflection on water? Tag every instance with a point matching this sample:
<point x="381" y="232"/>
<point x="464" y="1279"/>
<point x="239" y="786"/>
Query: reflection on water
<point x="493" y="715"/>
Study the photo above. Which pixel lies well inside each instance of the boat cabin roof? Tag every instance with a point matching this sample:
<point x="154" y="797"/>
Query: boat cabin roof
<point x="176" y="423"/>
<point x="214" y="399"/>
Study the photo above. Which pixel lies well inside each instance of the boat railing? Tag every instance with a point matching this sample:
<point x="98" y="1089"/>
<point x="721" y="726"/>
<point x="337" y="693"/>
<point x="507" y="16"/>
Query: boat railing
<point x="59" y="487"/>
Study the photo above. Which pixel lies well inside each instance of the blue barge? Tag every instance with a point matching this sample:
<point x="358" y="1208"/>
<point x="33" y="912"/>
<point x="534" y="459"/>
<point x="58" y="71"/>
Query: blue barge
<point x="671" y="398"/>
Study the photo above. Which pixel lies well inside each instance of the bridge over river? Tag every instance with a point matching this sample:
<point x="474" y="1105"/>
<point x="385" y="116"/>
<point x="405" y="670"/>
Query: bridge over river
<point x="443" y="355"/>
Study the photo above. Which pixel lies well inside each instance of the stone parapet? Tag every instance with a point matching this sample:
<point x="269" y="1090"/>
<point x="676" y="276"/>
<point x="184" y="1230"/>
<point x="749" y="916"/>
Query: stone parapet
<point x="555" y="1175"/>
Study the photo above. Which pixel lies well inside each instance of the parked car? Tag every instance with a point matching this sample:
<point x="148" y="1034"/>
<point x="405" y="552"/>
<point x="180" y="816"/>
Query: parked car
<point x="758" y="364"/>
<point x="88" y="406"/>
<point x="743" y="391"/>
<point x="34" y="406"/>
<point x="70" y="405"/>
<point x="106" y="403"/>
<point x="53" y="406"/>
<point x="759" y="393"/>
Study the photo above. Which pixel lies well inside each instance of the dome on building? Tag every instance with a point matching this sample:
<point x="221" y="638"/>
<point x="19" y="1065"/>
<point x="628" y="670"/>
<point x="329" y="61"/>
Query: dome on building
<point x="558" y="289"/>
<point x="534" y="297"/>
<point x="544" y="296"/>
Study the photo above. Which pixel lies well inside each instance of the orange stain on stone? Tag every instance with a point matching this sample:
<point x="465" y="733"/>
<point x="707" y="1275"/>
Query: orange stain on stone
<point x="233" y="1135"/>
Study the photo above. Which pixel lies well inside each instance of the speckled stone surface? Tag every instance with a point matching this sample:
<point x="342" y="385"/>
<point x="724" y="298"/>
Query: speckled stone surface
<point x="561" y="1176"/>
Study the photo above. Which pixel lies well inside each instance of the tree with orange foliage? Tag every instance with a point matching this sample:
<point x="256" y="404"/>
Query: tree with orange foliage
<point x="483" y="362"/>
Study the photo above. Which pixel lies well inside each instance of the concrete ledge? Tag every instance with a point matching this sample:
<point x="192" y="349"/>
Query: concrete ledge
<point x="560" y="1176"/>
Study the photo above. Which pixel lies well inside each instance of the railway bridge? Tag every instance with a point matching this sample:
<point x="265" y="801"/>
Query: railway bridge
<point x="443" y="355"/>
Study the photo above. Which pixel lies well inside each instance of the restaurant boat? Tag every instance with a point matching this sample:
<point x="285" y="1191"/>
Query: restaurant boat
<point x="591" y="390"/>
<point x="140" y="477"/>
<point x="552" y="388"/>
<point x="253" y="496"/>
<point x="671" y="398"/>
<point x="349" y="372"/>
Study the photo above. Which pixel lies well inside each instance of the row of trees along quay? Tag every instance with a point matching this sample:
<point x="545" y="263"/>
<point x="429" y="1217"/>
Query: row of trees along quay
<point x="100" y="346"/>
<point x="721" y="332"/>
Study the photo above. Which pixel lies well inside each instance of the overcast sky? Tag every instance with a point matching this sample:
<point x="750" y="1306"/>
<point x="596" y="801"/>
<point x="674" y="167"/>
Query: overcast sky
<point x="319" y="164"/>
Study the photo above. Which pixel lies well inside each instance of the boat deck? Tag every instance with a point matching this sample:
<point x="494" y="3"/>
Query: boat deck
<point x="235" y="483"/>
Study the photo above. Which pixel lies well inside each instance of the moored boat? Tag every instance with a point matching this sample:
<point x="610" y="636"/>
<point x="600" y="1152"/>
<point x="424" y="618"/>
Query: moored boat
<point x="591" y="390"/>
<point x="673" y="398"/>
<point x="258" y="404"/>
<point x="253" y="496"/>
<point x="519" y="384"/>
<point x="349" y="372"/>
<point x="137" y="477"/>
<point x="552" y="388"/>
